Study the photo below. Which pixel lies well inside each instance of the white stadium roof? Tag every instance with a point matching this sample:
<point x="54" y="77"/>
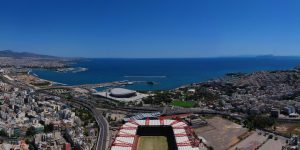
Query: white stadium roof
<point x="125" y="139"/>
<point x="121" y="91"/>
<point x="143" y="116"/>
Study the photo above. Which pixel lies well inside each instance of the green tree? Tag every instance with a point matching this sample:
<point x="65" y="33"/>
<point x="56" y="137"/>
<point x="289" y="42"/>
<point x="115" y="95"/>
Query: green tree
<point x="85" y="132"/>
<point x="259" y="122"/>
<point x="31" y="147"/>
<point x="3" y="133"/>
<point x="30" y="131"/>
<point x="48" y="128"/>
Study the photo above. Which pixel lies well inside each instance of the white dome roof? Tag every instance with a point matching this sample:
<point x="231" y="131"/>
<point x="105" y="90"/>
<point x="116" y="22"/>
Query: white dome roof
<point x="121" y="91"/>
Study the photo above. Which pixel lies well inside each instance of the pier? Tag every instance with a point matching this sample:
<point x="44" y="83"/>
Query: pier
<point x="93" y="86"/>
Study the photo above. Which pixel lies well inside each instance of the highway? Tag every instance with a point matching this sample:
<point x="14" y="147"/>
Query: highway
<point x="101" y="121"/>
<point x="104" y="126"/>
<point x="203" y="111"/>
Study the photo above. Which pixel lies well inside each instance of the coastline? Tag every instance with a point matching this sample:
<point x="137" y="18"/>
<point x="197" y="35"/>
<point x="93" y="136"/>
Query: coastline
<point x="30" y="73"/>
<point x="229" y="74"/>
<point x="167" y="74"/>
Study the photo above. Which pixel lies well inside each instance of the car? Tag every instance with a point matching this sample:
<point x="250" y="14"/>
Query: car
<point x="270" y="136"/>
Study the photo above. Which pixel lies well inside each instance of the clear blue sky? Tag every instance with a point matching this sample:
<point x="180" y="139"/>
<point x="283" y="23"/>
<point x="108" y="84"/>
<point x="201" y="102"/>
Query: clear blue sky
<point x="151" y="28"/>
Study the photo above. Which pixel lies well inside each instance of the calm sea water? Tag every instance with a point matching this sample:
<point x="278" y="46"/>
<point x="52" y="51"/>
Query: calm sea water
<point x="169" y="73"/>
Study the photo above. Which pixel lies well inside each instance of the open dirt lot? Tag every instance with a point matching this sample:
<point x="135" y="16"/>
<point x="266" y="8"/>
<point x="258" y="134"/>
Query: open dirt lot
<point x="251" y="142"/>
<point x="288" y="128"/>
<point x="221" y="133"/>
<point x="261" y="140"/>
<point x="272" y="144"/>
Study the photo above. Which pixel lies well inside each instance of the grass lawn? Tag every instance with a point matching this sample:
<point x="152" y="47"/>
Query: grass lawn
<point x="183" y="103"/>
<point x="152" y="143"/>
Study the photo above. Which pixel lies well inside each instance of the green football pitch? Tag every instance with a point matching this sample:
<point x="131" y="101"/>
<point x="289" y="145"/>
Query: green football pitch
<point x="152" y="143"/>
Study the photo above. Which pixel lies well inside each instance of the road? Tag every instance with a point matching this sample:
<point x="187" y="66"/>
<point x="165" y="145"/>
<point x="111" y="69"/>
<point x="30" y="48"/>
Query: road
<point x="168" y="111"/>
<point x="104" y="126"/>
<point x="101" y="121"/>
<point x="103" y="133"/>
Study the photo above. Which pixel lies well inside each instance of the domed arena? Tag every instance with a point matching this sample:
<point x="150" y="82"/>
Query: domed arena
<point x="122" y="93"/>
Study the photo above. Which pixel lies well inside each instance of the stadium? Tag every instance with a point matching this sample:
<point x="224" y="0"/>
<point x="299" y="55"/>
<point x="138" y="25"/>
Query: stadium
<point x="159" y="134"/>
<point x="122" y="93"/>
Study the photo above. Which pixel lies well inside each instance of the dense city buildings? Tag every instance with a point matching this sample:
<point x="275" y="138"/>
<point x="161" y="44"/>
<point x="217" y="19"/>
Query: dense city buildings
<point x="257" y="110"/>
<point x="42" y="120"/>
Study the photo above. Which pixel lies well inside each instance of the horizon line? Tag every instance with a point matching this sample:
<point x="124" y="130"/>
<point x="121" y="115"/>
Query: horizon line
<point x="204" y="57"/>
<point x="232" y="56"/>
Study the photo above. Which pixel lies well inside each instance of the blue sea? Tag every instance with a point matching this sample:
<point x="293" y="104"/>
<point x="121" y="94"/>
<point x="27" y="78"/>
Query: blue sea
<point x="168" y="73"/>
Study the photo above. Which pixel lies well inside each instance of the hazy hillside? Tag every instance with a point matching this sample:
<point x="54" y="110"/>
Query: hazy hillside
<point x="10" y="53"/>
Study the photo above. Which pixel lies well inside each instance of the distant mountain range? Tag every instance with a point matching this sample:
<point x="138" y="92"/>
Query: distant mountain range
<point x="13" y="54"/>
